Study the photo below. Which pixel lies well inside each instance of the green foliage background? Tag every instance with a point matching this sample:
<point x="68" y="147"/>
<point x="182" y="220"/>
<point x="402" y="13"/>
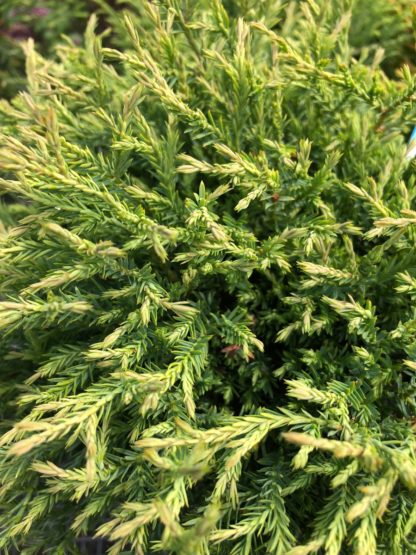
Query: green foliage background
<point x="207" y="277"/>
<point x="46" y="22"/>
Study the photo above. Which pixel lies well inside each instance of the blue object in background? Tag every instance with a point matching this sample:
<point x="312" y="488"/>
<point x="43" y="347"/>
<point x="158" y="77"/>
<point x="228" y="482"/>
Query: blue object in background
<point x="411" y="147"/>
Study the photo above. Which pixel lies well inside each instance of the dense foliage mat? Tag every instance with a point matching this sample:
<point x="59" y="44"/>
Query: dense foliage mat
<point x="207" y="284"/>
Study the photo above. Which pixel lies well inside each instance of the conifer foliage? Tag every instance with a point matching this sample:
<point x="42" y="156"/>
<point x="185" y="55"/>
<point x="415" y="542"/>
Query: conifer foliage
<point x="207" y="284"/>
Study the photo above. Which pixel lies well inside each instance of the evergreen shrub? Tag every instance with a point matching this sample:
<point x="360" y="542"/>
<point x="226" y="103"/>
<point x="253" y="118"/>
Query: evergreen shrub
<point x="207" y="284"/>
